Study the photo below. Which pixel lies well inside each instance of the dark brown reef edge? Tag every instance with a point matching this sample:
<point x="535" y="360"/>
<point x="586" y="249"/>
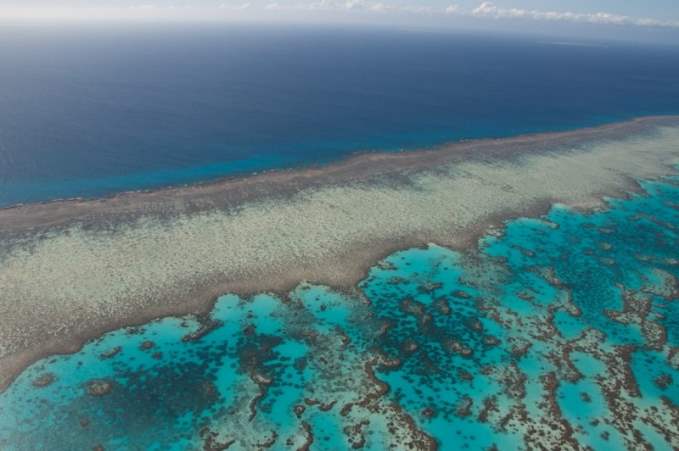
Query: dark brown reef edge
<point x="367" y="168"/>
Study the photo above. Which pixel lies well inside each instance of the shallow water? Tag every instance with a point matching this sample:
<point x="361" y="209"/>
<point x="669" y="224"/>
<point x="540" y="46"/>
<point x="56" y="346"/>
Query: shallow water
<point x="561" y="331"/>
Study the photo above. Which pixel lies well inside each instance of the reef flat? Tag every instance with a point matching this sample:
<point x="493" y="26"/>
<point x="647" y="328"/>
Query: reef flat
<point x="558" y="333"/>
<point x="72" y="270"/>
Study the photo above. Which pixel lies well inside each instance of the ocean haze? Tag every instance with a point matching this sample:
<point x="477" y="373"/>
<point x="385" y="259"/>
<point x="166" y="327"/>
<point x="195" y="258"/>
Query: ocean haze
<point x="90" y="111"/>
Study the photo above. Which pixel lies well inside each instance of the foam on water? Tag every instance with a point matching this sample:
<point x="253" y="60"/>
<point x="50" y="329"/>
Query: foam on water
<point x="560" y="332"/>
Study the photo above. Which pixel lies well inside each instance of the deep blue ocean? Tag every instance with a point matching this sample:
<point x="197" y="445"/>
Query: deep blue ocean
<point x="558" y="332"/>
<point x="94" y="111"/>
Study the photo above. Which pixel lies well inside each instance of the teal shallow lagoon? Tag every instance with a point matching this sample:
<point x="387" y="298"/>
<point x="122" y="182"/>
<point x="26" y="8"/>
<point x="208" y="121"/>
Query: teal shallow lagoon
<point x="561" y="331"/>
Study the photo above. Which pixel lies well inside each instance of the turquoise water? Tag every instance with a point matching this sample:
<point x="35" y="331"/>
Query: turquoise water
<point x="562" y="331"/>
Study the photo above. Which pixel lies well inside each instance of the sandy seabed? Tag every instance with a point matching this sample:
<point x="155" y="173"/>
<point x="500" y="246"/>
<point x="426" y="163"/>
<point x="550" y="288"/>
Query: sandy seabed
<point x="72" y="270"/>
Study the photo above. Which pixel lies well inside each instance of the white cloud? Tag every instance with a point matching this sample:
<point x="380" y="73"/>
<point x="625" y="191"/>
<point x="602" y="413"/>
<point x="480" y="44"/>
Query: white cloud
<point x="379" y="7"/>
<point x="143" y="6"/>
<point x="489" y="10"/>
<point x="405" y="11"/>
<point x="360" y="6"/>
<point x="452" y="9"/>
<point x="241" y="7"/>
<point x="486" y="9"/>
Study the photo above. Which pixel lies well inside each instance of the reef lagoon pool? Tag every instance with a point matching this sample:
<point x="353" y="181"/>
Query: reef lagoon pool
<point x="555" y="331"/>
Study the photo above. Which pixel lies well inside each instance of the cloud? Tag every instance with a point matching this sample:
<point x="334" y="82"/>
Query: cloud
<point x="240" y="7"/>
<point x="485" y="10"/>
<point x="452" y="9"/>
<point x="411" y="11"/>
<point x="489" y="10"/>
<point x="379" y="7"/>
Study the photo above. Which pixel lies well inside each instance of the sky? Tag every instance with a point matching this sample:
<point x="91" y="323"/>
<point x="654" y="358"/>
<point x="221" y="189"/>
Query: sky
<point x="643" y="20"/>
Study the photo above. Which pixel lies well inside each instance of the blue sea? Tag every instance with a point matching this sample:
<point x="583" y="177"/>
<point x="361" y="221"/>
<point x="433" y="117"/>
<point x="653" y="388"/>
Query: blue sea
<point x="560" y="331"/>
<point x="91" y="111"/>
<point x="556" y="332"/>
